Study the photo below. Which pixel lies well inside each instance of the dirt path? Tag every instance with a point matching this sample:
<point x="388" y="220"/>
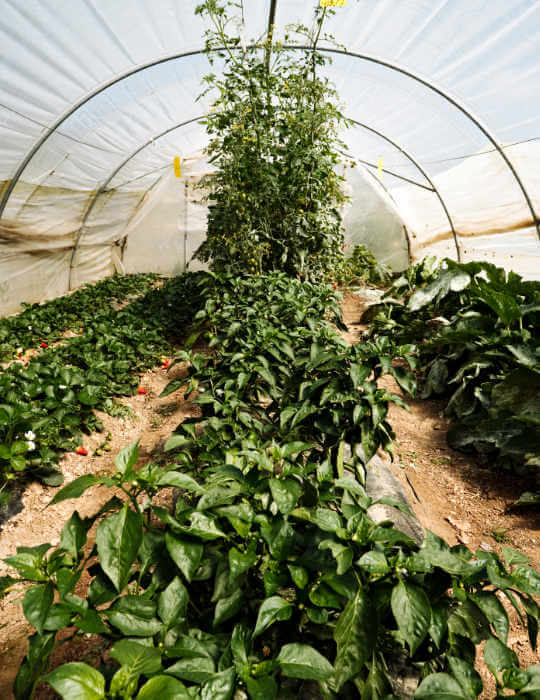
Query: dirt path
<point x="152" y="420"/>
<point x="448" y="491"/>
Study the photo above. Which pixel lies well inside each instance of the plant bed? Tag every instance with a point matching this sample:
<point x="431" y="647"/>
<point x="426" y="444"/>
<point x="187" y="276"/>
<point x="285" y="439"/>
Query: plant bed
<point x="270" y="553"/>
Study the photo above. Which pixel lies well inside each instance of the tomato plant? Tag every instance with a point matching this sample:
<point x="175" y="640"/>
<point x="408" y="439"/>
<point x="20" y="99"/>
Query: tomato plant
<point x="273" y="128"/>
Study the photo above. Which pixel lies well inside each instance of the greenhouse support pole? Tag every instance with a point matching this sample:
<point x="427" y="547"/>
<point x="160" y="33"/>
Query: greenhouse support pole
<point x="186" y="199"/>
<point x="270" y="31"/>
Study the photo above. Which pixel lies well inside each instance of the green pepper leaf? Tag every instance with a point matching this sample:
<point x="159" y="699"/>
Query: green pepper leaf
<point x="77" y="681"/>
<point x="303" y="661"/>
<point x="118" y="539"/>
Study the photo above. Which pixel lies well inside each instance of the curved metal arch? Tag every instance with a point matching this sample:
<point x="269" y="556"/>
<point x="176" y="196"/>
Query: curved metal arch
<point x="103" y="187"/>
<point x="458" y="104"/>
<point x="426" y="176"/>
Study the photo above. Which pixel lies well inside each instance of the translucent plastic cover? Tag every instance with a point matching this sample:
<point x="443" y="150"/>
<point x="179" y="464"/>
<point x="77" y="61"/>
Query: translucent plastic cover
<point x="99" y="96"/>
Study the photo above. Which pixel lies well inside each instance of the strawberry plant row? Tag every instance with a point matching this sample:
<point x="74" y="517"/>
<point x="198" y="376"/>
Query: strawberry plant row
<point x="47" y="404"/>
<point x="41" y="324"/>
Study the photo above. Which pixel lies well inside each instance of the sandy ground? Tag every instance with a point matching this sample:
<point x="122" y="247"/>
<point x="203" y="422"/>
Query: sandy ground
<point x="450" y="494"/>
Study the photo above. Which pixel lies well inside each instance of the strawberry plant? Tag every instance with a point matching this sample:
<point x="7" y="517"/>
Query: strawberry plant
<point x="55" y="394"/>
<point x="273" y="128"/>
<point x="40" y="324"/>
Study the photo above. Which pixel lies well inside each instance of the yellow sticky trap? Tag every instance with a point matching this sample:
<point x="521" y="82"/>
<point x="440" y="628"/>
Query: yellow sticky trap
<point x="379" y="168"/>
<point x="177" y="167"/>
<point x="333" y="3"/>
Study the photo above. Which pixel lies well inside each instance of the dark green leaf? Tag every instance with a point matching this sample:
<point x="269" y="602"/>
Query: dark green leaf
<point x="303" y="661"/>
<point x="221" y="687"/>
<point x="355" y="635"/>
<point x="240" y="562"/>
<point x="185" y="553"/>
<point x="493" y="609"/>
<point x="139" y="658"/>
<point x="498" y="656"/>
<point x="286" y="493"/>
<point x="75" y="488"/>
<point x="195" y="669"/>
<point x="73" y="535"/>
<point x="164" y="688"/>
<point x="272" y="610"/>
<point x="118" y="539"/>
<point x="467" y="677"/>
<point x="77" y="681"/>
<point x="173" y="603"/>
<point x="126" y="459"/>
<point x="36" y="604"/>
<point x="228" y="607"/>
<point x="412" y="612"/>
<point x="439" y="686"/>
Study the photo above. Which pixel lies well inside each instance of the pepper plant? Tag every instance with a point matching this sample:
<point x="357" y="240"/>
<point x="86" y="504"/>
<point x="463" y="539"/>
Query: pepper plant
<point x="267" y="577"/>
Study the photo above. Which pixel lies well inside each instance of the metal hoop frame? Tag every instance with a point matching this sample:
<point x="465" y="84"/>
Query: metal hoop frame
<point x="454" y="101"/>
<point x="118" y="168"/>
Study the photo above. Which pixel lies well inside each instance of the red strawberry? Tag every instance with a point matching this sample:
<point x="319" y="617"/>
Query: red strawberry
<point x="19" y="354"/>
<point x="335" y="285"/>
<point x="44" y="344"/>
<point x="81" y="450"/>
<point x="165" y="364"/>
<point x="140" y="390"/>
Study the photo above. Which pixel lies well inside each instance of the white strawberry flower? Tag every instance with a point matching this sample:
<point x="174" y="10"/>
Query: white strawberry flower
<point x="31" y="445"/>
<point x="62" y="386"/>
<point x="30" y="435"/>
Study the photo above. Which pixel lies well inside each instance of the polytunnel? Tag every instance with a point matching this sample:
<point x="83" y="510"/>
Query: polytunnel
<point x="98" y="98"/>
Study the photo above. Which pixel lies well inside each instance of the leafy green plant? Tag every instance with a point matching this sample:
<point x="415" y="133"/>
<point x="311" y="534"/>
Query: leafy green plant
<point x="475" y="327"/>
<point x="46" y="323"/>
<point x="273" y="127"/>
<point x="268" y="576"/>
<point x="362" y="267"/>
<point x="53" y="397"/>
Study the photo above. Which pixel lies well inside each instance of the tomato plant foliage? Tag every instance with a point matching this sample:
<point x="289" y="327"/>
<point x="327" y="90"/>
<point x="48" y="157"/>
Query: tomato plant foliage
<point x="273" y="127"/>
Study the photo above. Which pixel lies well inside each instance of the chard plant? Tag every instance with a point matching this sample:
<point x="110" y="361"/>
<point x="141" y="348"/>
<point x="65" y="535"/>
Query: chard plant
<point x="476" y="329"/>
<point x="273" y="128"/>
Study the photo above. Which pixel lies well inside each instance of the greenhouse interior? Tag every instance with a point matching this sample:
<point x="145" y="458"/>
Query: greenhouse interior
<point x="269" y="349"/>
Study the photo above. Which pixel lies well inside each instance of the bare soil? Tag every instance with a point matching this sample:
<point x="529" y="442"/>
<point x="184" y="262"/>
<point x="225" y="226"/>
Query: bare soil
<point x="450" y="494"/>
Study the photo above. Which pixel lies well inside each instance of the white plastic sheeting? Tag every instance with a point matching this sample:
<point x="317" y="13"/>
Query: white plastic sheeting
<point x="98" y="96"/>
